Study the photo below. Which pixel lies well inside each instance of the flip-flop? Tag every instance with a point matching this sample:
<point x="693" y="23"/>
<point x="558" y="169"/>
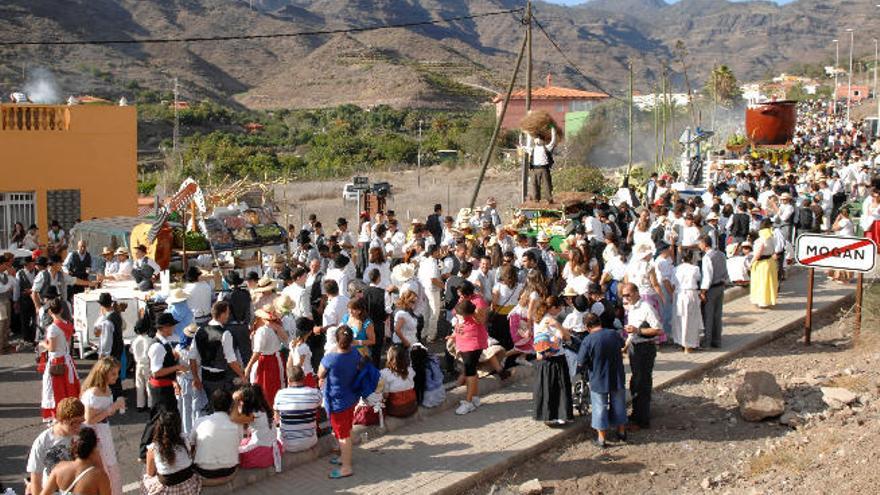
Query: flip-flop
<point x="335" y="460"/>
<point x="337" y="474"/>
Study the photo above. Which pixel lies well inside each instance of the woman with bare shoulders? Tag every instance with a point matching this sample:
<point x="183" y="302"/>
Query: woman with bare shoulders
<point x="83" y="475"/>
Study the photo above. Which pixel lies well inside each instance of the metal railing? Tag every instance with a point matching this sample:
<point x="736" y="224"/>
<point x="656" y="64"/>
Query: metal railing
<point x="34" y="117"/>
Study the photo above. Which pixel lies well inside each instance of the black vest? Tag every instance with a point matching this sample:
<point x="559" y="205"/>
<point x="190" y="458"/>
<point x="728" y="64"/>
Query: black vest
<point x="118" y="345"/>
<point x="209" y="342"/>
<point x="239" y="305"/>
<point x="79" y="267"/>
<point x="167" y="362"/>
<point x="739" y="225"/>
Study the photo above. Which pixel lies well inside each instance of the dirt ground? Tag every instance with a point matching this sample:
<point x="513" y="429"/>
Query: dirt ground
<point x="451" y="187"/>
<point x="699" y="443"/>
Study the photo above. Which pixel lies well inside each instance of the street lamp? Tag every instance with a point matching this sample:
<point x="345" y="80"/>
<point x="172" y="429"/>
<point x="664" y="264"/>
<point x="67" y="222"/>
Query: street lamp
<point x="849" y="84"/>
<point x="836" y="65"/>
<point x="875" y="80"/>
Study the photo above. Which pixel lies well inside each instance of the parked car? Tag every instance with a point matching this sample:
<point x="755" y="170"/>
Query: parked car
<point x="349" y="193"/>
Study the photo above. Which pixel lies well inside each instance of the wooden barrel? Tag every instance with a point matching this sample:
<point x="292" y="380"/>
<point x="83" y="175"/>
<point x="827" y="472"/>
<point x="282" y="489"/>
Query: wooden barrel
<point x="771" y="123"/>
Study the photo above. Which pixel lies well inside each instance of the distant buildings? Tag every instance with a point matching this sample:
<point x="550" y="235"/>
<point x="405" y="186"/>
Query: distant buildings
<point x="778" y="88"/>
<point x="858" y="92"/>
<point x="647" y="103"/>
<point x="66" y="163"/>
<point x="569" y="107"/>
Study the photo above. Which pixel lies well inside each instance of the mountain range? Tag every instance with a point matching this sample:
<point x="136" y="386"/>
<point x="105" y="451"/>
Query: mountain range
<point x="444" y="65"/>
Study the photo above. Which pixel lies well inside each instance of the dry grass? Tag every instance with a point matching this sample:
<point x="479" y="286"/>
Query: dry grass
<point x="328" y="194"/>
<point x="778" y="459"/>
<point x="856" y="383"/>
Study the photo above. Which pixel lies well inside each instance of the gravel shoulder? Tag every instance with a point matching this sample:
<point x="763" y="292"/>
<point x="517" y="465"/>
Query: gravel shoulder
<point x="699" y="442"/>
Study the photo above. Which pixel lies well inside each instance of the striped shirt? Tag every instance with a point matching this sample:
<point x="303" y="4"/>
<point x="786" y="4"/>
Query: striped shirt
<point x="298" y="408"/>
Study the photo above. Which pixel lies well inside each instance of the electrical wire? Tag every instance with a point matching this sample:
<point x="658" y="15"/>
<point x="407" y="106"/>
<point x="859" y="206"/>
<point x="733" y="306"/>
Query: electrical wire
<point x="573" y="65"/>
<point x="200" y="39"/>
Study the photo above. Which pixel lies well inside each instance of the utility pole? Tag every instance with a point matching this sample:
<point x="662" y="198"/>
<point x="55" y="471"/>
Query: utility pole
<point x="875" y="84"/>
<point x="176" y="135"/>
<point x="714" y="93"/>
<point x="631" y="123"/>
<point x="488" y="156"/>
<point x="849" y="84"/>
<point x="836" y="65"/>
<point x="526" y="157"/>
<point x="419" y="158"/>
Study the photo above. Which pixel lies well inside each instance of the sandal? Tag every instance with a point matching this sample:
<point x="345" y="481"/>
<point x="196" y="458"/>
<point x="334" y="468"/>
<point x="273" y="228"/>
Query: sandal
<point x="337" y="474"/>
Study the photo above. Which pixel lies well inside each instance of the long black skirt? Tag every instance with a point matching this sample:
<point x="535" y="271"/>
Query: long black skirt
<point x="552" y="393"/>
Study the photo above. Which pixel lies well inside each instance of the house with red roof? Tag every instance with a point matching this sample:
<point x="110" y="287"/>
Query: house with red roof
<point x="555" y="100"/>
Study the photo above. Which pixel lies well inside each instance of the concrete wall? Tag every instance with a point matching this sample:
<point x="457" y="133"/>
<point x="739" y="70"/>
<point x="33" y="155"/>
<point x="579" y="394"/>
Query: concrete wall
<point x="557" y="108"/>
<point x="92" y="148"/>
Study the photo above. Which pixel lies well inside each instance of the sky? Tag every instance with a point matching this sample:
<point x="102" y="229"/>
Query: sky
<point x="575" y="2"/>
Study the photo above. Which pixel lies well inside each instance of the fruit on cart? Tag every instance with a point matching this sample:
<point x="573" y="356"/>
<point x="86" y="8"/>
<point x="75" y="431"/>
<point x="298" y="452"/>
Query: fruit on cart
<point x="195" y="241"/>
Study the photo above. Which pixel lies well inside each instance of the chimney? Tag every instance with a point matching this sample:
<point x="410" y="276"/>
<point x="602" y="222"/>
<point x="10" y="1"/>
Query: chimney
<point x="549" y="80"/>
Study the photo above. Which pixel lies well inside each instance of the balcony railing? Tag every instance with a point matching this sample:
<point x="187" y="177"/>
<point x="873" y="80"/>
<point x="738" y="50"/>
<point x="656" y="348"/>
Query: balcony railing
<point x="34" y="117"/>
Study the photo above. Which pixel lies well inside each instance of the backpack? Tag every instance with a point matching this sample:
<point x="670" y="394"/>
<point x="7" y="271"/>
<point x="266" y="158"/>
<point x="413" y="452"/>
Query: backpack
<point x="434" y="394"/>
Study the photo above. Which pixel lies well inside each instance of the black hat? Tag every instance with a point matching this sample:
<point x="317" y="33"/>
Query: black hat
<point x="54" y="259"/>
<point x="286" y="274"/>
<point x="105" y="299"/>
<point x="581" y="304"/>
<point x="661" y="246"/>
<point x="252" y="276"/>
<point x="341" y="221"/>
<point x="340" y="261"/>
<point x="304" y="237"/>
<point x="166" y="320"/>
<point x="233" y="278"/>
<point x="43" y="261"/>
<point x="141" y="248"/>
<point x="192" y="274"/>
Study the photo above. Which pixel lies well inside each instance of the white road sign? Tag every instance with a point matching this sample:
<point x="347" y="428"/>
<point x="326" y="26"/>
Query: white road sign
<point x="856" y="254"/>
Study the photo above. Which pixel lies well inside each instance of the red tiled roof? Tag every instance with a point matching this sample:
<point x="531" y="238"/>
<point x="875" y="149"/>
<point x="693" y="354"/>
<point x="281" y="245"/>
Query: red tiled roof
<point x="553" y="93"/>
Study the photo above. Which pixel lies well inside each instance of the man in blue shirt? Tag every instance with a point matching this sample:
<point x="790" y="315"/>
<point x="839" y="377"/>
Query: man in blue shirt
<point x="600" y="355"/>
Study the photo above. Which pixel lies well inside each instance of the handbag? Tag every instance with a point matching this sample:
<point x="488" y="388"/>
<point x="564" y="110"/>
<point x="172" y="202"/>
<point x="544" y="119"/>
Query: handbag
<point x="57" y="369"/>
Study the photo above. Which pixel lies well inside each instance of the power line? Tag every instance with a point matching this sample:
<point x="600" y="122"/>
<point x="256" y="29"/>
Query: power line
<point x="573" y="65"/>
<point x="200" y="39"/>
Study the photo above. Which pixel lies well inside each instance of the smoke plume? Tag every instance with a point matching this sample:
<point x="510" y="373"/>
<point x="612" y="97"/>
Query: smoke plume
<point x="41" y="86"/>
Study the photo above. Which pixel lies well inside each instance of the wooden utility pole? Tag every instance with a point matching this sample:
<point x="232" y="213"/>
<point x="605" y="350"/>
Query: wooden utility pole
<point x="488" y="156"/>
<point x="631" y="123"/>
<point x="526" y="157"/>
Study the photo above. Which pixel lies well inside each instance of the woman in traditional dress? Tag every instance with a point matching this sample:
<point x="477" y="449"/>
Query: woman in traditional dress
<point x="687" y="322"/>
<point x="552" y="390"/>
<point x="59" y="378"/>
<point x="764" y="283"/>
<point x="870" y="219"/>
<point x="265" y="367"/>
<point x="100" y="406"/>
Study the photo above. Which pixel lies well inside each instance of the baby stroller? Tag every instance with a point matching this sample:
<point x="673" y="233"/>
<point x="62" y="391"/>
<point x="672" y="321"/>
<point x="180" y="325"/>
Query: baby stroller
<point x="581" y="395"/>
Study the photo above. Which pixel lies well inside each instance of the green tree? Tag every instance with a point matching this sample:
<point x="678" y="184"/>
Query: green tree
<point x="722" y="86"/>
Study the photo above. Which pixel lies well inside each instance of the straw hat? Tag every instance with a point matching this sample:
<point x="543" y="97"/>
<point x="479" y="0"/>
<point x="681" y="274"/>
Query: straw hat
<point x="121" y="251"/>
<point x="265" y="284"/>
<point x="284" y="304"/>
<point x="106" y="250"/>
<point x="190" y="330"/>
<point x="177" y="296"/>
<point x="569" y="291"/>
<point x="711" y="216"/>
<point x="402" y="272"/>
<point x="267" y="312"/>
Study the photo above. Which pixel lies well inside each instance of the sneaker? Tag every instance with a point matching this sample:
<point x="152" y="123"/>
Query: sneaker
<point x="465" y="407"/>
<point x="476" y="401"/>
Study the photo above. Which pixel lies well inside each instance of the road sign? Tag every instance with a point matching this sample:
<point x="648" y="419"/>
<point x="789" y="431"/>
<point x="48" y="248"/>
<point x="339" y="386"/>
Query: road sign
<point x="360" y="183"/>
<point x="855" y="254"/>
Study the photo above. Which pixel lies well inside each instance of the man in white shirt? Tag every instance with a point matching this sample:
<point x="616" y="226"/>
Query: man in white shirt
<point x="484" y="278"/>
<point x="296" y="411"/>
<point x="199" y="294"/>
<point x="334" y="310"/>
<point x="344" y="237"/>
<point x="340" y="273"/>
<point x="540" y="162"/>
<point x="213" y="359"/>
<point x="215" y="440"/>
<point x="429" y="278"/>
<point x="121" y="269"/>
<point x="394" y="240"/>
<point x="298" y="294"/>
<point x="643" y="325"/>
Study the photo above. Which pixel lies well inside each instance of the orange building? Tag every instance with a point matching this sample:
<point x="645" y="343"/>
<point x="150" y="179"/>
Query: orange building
<point x="66" y="163"/>
<point x="555" y="100"/>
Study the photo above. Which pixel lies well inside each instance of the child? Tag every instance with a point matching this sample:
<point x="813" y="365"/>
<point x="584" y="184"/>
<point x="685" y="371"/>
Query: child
<point x="139" y="348"/>
<point x="301" y="354"/>
<point x="260" y="449"/>
<point x="399" y="390"/>
<point x="521" y="330"/>
<point x="186" y="401"/>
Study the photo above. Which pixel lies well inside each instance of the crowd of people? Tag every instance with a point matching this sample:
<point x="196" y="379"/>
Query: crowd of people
<point x="350" y="325"/>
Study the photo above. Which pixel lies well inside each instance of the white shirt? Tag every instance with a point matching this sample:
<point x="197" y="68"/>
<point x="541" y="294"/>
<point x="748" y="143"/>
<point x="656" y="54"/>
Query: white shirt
<point x="139" y="348"/>
<point x="687" y="277"/>
<point x="690" y="235"/>
<point x="123" y="270"/>
<point x="145" y="261"/>
<point x="341" y="277"/>
<point x="199" y="298"/>
<point x="301" y="298"/>
<point x="639" y="313"/>
<point x="394" y="383"/>
<point x="335" y="309"/>
<point x="105" y="343"/>
<point x="266" y="341"/>
<point x="384" y="274"/>
<point x="394" y="243"/>
<point x="302" y="357"/>
<point x="408" y="327"/>
<point x="182" y="459"/>
<point x="216" y="439"/>
<point x="156" y="354"/>
<point x="429" y="269"/>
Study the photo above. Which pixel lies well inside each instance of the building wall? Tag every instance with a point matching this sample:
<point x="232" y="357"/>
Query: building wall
<point x="557" y="108"/>
<point x="93" y="149"/>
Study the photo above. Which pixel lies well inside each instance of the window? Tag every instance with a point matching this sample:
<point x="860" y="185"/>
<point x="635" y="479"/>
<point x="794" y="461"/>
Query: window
<point x="15" y="207"/>
<point x="63" y="205"/>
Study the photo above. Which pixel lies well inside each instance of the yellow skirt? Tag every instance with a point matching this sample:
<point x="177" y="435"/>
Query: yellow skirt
<point x="764" y="283"/>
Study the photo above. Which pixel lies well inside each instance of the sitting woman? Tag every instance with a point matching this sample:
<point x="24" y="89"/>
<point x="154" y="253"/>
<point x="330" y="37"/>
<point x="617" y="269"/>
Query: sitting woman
<point x="398" y="375"/>
<point x="83" y="475"/>
<point x="260" y="448"/>
<point x="739" y="262"/>
<point x="169" y="469"/>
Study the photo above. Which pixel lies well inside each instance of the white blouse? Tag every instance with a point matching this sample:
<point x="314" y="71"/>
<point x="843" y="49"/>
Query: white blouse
<point x="266" y="341"/>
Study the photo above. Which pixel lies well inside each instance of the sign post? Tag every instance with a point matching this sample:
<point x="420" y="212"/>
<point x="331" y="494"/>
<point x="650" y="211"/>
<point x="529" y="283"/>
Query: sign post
<point x="851" y="254"/>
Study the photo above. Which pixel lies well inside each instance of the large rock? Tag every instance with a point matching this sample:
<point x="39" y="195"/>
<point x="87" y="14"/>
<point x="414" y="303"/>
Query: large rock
<point x="838" y="397"/>
<point x="759" y="396"/>
<point x="531" y="487"/>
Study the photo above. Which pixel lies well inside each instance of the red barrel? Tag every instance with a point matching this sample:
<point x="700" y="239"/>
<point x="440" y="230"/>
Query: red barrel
<point x="771" y="123"/>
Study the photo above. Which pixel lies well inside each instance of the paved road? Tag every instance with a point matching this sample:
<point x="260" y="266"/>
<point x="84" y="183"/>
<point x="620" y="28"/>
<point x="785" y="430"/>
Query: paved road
<point x="20" y="420"/>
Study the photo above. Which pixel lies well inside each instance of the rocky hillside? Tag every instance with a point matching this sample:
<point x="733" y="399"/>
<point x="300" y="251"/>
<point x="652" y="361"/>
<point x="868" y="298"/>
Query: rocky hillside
<point x="443" y="65"/>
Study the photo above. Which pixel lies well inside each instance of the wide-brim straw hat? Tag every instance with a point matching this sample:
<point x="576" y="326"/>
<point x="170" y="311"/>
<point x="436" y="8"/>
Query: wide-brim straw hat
<point x="402" y="272"/>
<point x="267" y="312"/>
<point x="179" y="295"/>
<point x="120" y="251"/>
<point x="284" y="304"/>
<point x="265" y="284"/>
